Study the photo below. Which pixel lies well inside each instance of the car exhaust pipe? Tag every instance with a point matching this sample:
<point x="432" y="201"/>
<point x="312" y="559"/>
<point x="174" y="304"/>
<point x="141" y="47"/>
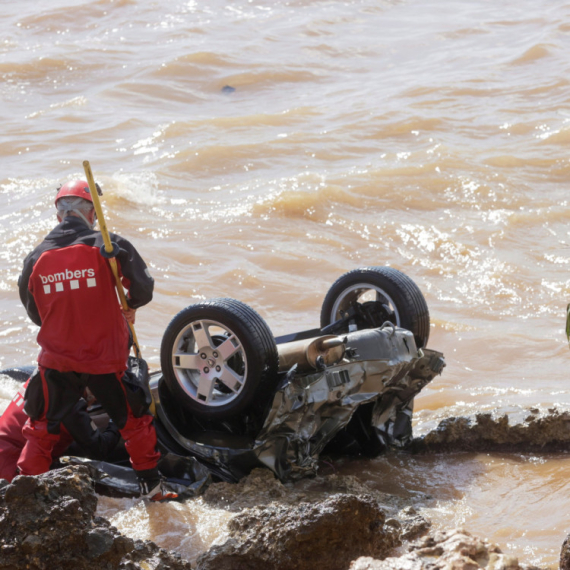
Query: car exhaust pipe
<point x="311" y="354"/>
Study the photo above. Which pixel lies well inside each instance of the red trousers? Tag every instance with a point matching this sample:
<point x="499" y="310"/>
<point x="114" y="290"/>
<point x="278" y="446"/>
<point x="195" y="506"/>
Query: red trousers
<point x="60" y="391"/>
<point x="12" y="441"/>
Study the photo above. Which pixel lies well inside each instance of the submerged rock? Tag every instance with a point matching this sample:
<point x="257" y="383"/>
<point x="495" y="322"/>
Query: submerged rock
<point x="329" y="534"/>
<point x="525" y="430"/>
<point x="48" y="522"/>
<point x="454" y="549"/>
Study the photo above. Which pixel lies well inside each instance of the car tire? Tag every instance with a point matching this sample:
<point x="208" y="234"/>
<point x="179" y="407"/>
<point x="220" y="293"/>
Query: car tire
<point x="219" y="359"/>
<point x="379" y="294"/>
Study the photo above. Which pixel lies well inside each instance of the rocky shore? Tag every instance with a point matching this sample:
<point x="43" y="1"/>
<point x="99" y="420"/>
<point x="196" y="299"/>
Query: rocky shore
<point x="50" y="521"/>
<point x="527" y="430"/>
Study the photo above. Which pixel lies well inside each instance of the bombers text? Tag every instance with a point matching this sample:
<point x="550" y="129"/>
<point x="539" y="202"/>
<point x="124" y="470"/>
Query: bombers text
<point x="66" y="275"/>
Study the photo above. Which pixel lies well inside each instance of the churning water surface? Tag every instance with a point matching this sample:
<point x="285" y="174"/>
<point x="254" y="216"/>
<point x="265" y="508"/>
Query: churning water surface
<point x="259" y="149"/>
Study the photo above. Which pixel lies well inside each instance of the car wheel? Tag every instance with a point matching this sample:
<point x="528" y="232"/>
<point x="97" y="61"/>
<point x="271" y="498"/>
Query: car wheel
<point x="368" y="297"/>
<point x="219" y="358"/>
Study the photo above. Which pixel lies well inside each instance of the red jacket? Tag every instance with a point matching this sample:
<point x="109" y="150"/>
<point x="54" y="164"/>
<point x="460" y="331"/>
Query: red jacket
<point x="67" y="288"/>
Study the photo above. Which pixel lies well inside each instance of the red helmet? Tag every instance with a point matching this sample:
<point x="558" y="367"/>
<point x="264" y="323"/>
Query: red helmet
<point x="78" y="188"/>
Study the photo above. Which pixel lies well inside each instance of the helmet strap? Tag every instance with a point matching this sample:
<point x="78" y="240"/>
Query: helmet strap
<point x="80" y="214"/>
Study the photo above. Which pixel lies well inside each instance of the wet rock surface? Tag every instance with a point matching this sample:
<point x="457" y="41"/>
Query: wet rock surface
<point x="531" y="429"/>
<point x="332" y="521"/>
<point x="329" y="534"/>
<point x="565" y="554"/>
<point x="48" y="522"/>
<point x="412" y="524"/>
<point x="454" y="549"/>
<point x="261" y="488"/>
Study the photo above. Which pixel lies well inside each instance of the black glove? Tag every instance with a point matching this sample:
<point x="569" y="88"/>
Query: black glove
<point x="112" y="428"/>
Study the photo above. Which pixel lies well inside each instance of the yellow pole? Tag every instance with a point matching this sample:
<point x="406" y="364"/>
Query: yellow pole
<point x="109" y="248"/>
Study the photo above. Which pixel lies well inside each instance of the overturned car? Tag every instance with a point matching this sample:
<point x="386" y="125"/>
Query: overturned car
<point x="233" y="397"/>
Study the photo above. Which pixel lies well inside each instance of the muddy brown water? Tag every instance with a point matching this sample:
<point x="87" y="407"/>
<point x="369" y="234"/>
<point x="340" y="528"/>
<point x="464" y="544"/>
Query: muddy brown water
<point x="428" y="136"/>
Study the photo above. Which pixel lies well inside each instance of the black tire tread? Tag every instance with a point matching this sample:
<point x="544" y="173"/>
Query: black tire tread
<point x="253" y="332"/>
<point x="261" y="333"/>
<point x="410" y="296"/>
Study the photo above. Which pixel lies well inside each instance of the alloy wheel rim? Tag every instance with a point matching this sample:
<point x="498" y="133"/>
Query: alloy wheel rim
<point x="360" y="293"/>
<point x="209" y="362"/>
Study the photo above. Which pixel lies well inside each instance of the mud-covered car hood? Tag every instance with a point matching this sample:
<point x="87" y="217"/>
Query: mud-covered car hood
<point x="381" y="369"/>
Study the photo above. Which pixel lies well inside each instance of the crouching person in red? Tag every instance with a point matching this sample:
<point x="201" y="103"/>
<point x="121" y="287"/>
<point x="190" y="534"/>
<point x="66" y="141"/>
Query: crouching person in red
<point x="76" y="426"/>
<point x="68" y="289"/>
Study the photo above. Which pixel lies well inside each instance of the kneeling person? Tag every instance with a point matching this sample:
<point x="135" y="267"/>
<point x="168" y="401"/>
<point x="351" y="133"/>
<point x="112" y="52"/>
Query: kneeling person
<point x="76" y="426"/>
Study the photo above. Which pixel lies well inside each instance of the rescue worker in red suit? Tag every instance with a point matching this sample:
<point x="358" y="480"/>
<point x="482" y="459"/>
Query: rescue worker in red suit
<point x="76" y="426"/>
<point x="68" y="289"/>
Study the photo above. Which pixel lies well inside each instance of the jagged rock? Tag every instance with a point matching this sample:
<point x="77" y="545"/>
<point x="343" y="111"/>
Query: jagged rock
<point x="405" y="562"/>
<point x="351" y="485"/>
<point x="328" y="534"/>
<point x="260" y="487"/>
<point x="565" y="555"/>
<point x="524" y="430"/>
<point x="412" y="523"/>
<point x="48" y="522"/>
<point x="449" y="550"/>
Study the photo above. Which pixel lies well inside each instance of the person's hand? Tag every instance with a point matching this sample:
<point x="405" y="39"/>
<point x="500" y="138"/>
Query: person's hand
<point x="129" y="315"/>
<point x="89" y="397"/>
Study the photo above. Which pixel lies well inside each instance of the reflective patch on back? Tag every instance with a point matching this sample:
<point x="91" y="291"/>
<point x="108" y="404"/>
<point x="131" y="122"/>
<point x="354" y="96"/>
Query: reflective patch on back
<point x="74" y="284"/>
<point x="19" y="399"/>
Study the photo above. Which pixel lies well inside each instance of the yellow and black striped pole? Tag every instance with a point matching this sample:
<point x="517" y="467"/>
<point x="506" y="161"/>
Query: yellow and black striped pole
<point x="109" y="249"/>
